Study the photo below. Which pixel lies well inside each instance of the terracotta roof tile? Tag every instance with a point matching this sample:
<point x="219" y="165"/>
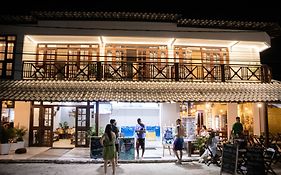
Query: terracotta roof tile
<point x="26" y="90"/>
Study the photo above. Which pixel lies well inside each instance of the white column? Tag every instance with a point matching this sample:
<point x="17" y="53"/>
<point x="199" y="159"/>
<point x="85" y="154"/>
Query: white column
<point x="102" y="52"/>
<point x="232" y="113"/>
<point x="258" y="117"/>
<point x="170" y="53"/>
<point x="22" y="117"/>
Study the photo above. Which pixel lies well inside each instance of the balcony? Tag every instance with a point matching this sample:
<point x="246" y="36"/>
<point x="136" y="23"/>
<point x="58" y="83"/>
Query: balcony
<point x="144" y="71"/>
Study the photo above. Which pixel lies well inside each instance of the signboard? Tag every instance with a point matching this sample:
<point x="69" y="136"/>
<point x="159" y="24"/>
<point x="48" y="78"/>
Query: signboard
<point x="127" y="148"/>
<point x="168" y="136"/>
<point x="128" y="131"/>
<point x="95" y="147"/>
<point x="190" y="126"/>
<point x="229" y="159"/>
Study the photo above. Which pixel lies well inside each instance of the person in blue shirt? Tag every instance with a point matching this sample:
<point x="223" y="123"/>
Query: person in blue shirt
<point x="140" y="134"/>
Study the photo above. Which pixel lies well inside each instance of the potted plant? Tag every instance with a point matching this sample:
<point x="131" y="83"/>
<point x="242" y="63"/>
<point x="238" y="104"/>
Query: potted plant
<point x="20" y="133"/>
<point x="6" y="134"/>
<point x="200" y="144"/>
<point x="64" y="126"/>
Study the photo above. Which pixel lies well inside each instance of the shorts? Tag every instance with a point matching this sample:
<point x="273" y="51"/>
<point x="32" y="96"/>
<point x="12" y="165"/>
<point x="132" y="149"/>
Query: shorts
<point x="178" y="144"/>
<point x="140" y="142"/>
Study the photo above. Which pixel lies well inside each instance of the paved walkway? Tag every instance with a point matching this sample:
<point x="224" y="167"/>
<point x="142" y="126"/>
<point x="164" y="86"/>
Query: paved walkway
<point x="192" y="168"/>
<point x="79" y="155"/>
<point x="153" y="163"/>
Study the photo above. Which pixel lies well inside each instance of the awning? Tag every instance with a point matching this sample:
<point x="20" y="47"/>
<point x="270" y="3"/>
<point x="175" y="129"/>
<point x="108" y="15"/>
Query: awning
<point x="131" y="91"/>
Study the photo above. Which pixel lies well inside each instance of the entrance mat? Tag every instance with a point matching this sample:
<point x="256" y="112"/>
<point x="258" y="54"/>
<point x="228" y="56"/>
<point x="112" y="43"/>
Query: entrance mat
<point x="150" y="148"/>
<point x="52" y="153"/>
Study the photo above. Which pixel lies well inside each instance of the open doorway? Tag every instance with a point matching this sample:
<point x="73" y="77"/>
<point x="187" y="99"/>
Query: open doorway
<point x="64" y="127"/>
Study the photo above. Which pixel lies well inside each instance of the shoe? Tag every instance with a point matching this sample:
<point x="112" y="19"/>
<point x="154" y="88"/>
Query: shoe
<point x="178" y="162"/>
<point x="137" y="157"/>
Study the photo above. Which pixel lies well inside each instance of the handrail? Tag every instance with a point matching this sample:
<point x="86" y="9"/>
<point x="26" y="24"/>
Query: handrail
<point x="145" y="71"/>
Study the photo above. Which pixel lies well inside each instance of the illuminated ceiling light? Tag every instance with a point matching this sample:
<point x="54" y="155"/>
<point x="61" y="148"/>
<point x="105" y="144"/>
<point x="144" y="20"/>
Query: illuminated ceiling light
<point x="172" y="41"/>
<point x="208" y="105"/>
<point x="233" y="44"/>
<point x="258" y="46"/>
<point x="31" y="39"/>
<point x="101" y="39"/>
<point x="259" y="105"/>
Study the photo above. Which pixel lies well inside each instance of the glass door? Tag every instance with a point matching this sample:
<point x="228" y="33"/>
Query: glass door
<point x="82" y="125"/>
<point x="41" y="130"/>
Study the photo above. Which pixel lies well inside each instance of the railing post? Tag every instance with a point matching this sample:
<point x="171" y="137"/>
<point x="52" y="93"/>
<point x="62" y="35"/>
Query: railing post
<point x="222" y="72"/>
<point x="263" y="78"/>
<point x="99" y="71"/>
<point x="266" y="78"/>
<point x="176" y="71"/>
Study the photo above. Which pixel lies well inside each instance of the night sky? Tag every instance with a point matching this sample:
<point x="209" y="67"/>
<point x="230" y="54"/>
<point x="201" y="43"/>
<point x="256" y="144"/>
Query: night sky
<point x="268" y="11"/>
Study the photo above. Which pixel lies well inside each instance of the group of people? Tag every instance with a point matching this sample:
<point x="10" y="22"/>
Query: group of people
<point x="110" y="143"/>
<point x="213" y="139"/>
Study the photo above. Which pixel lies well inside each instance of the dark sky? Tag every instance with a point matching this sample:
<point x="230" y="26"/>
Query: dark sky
<point x="247" y="10"/>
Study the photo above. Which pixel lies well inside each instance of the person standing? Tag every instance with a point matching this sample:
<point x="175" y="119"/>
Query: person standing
<point x="116" y="132"/>
<point x="108" y="142"/>
<point x="237" y="128"/>
<point x="140" y="134"/>
<point x="178" y="142"/>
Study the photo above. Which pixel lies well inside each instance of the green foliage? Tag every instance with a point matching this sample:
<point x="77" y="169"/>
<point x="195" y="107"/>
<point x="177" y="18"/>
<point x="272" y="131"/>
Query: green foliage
<point x="92" y="131"/>
<point x="200" y="142"/>
<point x="64" y="126"/>
<point x="20" y="132"/>
<point x="6" y="134"/>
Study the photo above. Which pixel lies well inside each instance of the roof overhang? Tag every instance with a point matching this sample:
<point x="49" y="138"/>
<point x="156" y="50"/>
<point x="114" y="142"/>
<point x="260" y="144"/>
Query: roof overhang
<point x="103" y="40"/>
<point x="131" y="91"/>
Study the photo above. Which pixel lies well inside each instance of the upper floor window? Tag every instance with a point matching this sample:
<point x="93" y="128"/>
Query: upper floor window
<point x="210" y="55"/>
<point x="7" y="54"/>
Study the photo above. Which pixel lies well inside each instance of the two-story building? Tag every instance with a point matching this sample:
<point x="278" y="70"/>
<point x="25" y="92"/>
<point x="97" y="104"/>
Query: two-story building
<point x="84" y="68"/>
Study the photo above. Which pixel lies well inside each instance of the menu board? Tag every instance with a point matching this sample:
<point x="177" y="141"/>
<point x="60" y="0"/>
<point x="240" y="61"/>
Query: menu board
<point x="190" y="127"/>
<point x="229" y="159"/>
<point x="95" y="147"/>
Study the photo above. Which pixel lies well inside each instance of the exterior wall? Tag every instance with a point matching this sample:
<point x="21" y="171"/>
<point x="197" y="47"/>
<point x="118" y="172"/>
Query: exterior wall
<point x="274" y="120"/>
<point x="128" y="117"/>
<point x="18" y="57"/>
<point x="238" y="55"/>
<point x="169" y="113"/>
<point x="22" y="117"/>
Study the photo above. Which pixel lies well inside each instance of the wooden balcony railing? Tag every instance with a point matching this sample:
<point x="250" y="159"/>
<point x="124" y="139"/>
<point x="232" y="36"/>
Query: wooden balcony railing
<point x="144" y="71"/>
